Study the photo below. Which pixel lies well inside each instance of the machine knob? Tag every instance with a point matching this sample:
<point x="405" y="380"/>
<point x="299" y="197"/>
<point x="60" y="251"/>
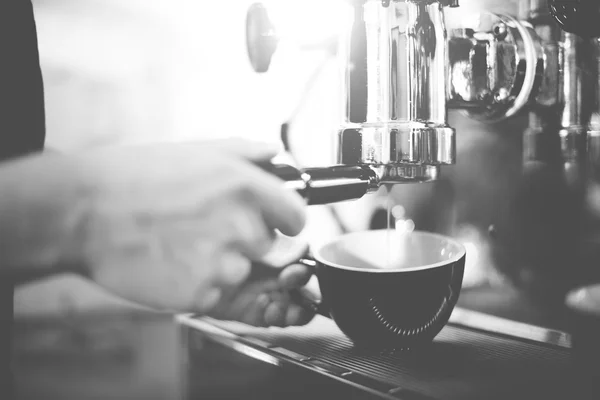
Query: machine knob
<point x="577" y="16"/>
<point x="261" y="41"/>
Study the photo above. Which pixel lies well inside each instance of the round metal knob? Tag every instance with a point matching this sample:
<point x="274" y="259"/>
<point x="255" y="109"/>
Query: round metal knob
<point x="261" y="41"/>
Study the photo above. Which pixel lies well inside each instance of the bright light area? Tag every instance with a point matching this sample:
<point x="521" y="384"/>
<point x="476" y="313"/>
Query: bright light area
<point x="405" y="226"/>
<point x="479" y="264"/>
<point x="309" y="22"/>
<point x="398" y="212"/>
<point x="473" y="252"/>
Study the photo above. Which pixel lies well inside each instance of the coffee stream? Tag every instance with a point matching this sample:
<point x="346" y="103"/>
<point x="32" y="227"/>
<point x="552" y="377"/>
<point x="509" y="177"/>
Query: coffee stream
<point x="395" y="245"/>
<point x="388" y="245"/>
<point x="390" y="248"/>
<point x="388" y="234"/>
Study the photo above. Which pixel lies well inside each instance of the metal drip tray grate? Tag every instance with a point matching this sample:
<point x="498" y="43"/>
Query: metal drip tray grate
<point x="461" y="364"/>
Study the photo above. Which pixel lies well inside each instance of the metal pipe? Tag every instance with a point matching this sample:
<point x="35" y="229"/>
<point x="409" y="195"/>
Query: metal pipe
<point x="328" y="184"/>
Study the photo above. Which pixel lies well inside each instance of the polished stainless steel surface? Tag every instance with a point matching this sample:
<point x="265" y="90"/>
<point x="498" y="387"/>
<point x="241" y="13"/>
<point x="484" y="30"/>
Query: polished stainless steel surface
<point x="569" y="80"/>
<point x="593" y="145"/>
<point x="573" y="121"/>
<point x="404" y="173"/>
<point x="495" y="66"/>
<point x="400" y="72"/>
<point x="394" y="63"/>
<point x="524" y="190"/>
<point x="550" y="213"/>
<point x="397" y="143"/>
<point x="523" y="95"/>
<point x="427" y="58"/>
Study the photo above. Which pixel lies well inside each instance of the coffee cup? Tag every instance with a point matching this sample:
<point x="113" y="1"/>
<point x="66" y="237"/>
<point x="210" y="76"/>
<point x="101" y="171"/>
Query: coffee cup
<point x="386" y="289"/>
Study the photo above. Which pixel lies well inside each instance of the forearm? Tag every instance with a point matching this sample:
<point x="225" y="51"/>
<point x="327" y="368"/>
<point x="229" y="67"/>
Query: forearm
<point x="44" y="200"/>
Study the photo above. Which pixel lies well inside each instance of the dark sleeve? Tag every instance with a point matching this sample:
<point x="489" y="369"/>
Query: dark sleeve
<point x="22" y="119"/>
<point x="22" y="129"/>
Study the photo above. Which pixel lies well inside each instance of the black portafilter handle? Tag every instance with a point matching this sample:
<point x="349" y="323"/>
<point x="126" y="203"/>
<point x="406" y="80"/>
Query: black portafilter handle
<point x="326" y="185"/>
<point x="580" y="17"/>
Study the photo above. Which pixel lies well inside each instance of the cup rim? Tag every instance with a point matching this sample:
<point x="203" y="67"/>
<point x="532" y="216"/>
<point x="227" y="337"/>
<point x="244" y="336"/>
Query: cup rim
<point x="461" y="254"/>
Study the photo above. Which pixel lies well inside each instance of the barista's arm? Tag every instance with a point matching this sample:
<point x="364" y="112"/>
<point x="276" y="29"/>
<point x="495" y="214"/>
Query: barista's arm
<point x="43" y="205"/>
<point x="172" y="227"/>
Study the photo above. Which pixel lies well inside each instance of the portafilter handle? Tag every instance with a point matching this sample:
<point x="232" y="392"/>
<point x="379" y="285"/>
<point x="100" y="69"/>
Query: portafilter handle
<point x="327" y="184"/>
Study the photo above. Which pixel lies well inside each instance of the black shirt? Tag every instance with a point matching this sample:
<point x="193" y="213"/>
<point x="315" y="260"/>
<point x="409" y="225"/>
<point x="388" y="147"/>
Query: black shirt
<point x="22" y="129"/>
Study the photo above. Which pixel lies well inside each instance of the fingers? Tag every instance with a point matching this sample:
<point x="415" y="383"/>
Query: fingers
<point x="262" y="304"/>
<point x="295" y="276"/>
<point x="274" y="309"/>
<point x="255" y="311"/>
<point x="247" y="304"/>
<point x="298" y="316"/>
<point x="273" y="306"/>
<point x="282" y="312"/>
<point x="282" y="209"/>
<point x="233" y="269"/>
<point x="275" y="314"/>
<point x="286" y="249"/>
<point x="207" y="299"/>
<point x="245" y="230"/>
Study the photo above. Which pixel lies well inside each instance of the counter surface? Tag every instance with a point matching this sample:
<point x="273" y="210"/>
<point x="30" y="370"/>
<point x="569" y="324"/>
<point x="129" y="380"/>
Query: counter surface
<point x="143" y="356"/>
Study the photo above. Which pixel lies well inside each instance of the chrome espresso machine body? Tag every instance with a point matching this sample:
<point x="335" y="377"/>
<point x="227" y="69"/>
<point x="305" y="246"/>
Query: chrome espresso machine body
<point x="522" y="90"/>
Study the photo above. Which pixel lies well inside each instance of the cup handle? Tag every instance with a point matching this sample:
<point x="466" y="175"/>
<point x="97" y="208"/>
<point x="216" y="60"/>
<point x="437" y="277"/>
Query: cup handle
<point x="304" y="298"/>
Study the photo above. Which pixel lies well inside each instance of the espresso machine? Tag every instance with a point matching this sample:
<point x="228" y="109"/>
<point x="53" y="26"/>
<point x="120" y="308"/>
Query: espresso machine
<point x="415" y="75"/>
<point x="407" y="67"/>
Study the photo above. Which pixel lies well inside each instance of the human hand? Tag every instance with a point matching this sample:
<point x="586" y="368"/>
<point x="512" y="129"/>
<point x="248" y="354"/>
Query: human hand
<point x="265" y="299"/>
<point x="176" y="226"/>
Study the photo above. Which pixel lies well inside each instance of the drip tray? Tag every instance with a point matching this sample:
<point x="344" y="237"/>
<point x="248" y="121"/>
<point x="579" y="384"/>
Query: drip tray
<point x="463" y="362"/>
